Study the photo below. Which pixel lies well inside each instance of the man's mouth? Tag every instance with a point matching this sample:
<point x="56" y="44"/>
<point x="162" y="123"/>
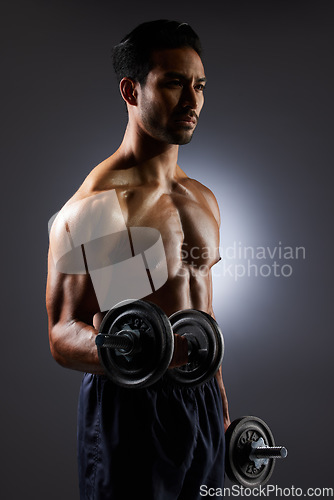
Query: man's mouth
<point x="187" y="120"/>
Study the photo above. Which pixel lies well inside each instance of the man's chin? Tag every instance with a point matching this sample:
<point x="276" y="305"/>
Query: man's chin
<point x="185" y="141"/>
<point x="182" y="138"/>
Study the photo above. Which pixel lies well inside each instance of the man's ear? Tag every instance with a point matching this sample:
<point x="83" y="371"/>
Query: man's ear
<point x="128" y="91"/>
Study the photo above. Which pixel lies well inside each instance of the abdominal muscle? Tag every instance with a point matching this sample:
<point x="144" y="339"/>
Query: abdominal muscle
<point x="189" y="289"/>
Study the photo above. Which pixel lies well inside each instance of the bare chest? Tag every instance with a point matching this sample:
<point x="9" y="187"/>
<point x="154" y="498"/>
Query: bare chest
<point x="188" y="229"/>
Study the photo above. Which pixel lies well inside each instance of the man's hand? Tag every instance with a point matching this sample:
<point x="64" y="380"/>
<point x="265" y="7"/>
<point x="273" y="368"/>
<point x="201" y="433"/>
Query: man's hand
<point x="180" y="354"/>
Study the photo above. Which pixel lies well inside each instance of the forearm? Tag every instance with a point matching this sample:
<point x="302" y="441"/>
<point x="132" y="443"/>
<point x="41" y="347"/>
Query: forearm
<point x="73" y="346"/>
<point x="219" y="377"/>
<point x="224" y="398"/>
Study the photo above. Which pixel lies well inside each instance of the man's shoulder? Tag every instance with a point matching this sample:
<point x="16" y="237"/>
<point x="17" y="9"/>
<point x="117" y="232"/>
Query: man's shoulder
<point x="95" y="196"/>
<point x="206" y="193"/>
<point x="101" y="179"/>
<point x="85" y="218"/>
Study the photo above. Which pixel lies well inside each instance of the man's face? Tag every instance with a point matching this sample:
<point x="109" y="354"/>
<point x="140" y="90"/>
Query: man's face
<point x="170" y="101"/>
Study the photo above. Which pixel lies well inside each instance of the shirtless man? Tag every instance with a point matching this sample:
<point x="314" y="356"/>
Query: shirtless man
<point x="164" y="441"/>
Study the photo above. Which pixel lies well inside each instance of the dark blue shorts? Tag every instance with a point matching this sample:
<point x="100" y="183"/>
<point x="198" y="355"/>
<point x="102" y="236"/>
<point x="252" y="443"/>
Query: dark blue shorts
<point x="158" y="443"/>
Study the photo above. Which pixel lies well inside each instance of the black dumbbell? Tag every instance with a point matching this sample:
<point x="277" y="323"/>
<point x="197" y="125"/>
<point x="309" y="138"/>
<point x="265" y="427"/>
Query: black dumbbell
<point x="251" y="452"/>
<point x="136" y="344"/>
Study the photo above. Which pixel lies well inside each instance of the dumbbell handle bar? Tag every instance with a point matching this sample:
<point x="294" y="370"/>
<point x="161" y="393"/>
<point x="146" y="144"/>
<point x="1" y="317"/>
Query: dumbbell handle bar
<point x="127" y="341"/>
<point x="268" y="452"/>
<point x="124" y="339"/>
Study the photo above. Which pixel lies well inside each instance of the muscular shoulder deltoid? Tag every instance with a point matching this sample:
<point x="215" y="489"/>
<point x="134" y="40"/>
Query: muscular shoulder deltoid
<point x="85" y="219"/>
<point x="202" y="192"/>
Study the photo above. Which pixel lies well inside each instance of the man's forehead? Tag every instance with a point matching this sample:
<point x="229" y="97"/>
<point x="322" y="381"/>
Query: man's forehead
<point x="182" y="61"/>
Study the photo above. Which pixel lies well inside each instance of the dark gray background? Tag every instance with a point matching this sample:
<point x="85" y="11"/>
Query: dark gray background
<point x="263" y="145"/>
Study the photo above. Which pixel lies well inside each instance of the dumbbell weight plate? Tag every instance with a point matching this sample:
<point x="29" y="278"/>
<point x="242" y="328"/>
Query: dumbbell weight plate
<point x="151" y="324"/>
<point x="209" y="339"/>
<point x="238" y="438"/>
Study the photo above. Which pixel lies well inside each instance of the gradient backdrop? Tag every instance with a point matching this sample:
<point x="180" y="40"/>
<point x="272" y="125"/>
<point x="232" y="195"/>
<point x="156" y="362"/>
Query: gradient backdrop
<point x="263" y="145"/>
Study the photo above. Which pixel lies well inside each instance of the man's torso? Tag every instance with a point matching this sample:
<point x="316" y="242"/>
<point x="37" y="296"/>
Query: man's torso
<point x="186" y="215"/>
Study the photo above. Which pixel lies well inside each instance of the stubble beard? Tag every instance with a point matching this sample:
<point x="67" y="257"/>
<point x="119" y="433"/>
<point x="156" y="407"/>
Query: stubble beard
<point x="165" y="134"/>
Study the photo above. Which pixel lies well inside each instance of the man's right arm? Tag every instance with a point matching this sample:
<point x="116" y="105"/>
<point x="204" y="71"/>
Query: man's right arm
<point x="71" y="305"/>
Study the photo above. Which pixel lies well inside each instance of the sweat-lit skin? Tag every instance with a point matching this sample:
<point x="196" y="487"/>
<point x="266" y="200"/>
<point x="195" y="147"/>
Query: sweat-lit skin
<point x="153" y="191"/>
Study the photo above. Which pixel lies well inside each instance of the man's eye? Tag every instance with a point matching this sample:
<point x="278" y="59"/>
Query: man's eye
<point x="200" y="87"/>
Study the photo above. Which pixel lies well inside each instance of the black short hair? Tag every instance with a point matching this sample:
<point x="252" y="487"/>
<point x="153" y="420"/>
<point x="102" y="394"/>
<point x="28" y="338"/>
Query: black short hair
<point x="132" y="56"/>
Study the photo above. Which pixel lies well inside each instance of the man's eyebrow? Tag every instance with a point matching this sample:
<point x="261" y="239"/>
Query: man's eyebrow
<point x="175" y="74"/>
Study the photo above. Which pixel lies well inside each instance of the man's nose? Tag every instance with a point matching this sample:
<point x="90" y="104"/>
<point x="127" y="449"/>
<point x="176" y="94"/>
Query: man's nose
<point x="190" y="97"/>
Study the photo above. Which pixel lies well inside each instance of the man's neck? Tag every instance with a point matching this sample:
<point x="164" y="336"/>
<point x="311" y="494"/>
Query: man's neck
<point x="156" y="161"/>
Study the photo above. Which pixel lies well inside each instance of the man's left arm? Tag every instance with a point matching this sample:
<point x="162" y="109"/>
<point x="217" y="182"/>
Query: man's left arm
<point x="222" y="389"/>
<point x="219" y="374"/>
<point x="219" y="377"/>
<point x="213" y="204"/>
